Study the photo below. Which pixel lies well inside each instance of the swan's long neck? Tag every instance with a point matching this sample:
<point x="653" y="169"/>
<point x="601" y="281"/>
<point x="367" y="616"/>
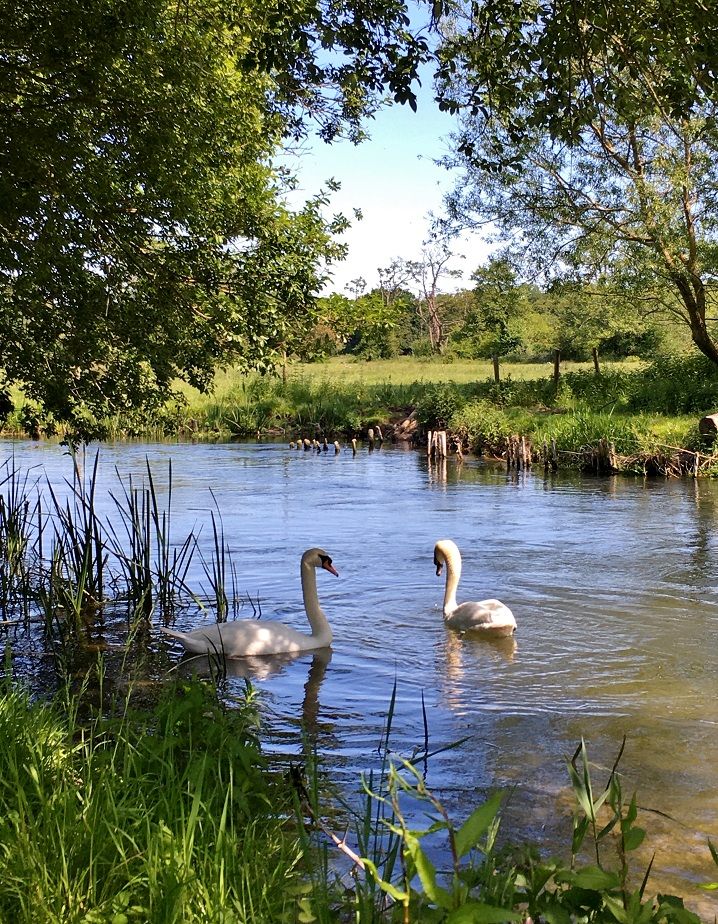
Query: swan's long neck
<point x="453" y="573"/>
<point x="321" y="629"/>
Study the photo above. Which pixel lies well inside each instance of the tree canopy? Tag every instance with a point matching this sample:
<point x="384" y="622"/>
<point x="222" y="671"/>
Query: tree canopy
<point x="143" y="230"/>
<point x="588" y="136"/>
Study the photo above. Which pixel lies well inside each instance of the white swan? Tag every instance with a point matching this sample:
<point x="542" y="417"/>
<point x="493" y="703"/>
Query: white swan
<point x="251" y="637"/>
<point x="490" y="617"/>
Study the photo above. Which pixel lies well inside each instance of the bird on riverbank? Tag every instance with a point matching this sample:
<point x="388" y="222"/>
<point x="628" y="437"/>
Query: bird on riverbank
<point x="251" y="637"/>
<point x="490" y="617"/>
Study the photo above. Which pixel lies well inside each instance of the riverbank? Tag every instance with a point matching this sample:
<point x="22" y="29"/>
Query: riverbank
<point x="172" y="814"/>
<point x="633" y="417"/>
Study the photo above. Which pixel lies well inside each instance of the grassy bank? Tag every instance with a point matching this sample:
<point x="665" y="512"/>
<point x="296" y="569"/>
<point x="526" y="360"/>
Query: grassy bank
<point x="172" y="815"/>
<point x="162" y="816"/>
<point x="645" y="414"/>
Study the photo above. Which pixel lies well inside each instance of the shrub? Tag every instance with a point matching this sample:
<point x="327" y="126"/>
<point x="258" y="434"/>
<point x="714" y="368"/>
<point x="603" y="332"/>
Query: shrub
<point x="438" y="405"/>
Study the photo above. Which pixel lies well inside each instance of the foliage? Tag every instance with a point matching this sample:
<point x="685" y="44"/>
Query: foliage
<point x="374" y="322"/>
<point x="554" y="65"/>
<point x="499" y="305"/>
<point x="485" y="884"/>
<point x="484" y="426"/>
<point x="438" y="405"/>
<point x="682" y="385"/>
<point x="145" y="235"/>
<point x="582" y="429"/>
<point x="609" y="184"/>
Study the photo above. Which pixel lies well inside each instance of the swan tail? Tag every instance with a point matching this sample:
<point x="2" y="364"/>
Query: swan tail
<point x="172" y="633"/>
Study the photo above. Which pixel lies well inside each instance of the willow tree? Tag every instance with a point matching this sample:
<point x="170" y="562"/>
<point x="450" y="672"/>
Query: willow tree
<point x="588" y="137"/>
<point x="143" y="230"/>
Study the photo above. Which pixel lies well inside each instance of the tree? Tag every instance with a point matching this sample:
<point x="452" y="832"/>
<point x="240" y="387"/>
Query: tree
<point x="587" y="318"/>
<point x="428" y="272"/>
<point x="589" y="146"/>
<point x="552" y="64"/>
<point x="143" y="235"/>
<point x="500" y="304"/>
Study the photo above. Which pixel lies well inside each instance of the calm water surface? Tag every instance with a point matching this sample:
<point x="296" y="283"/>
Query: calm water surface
<point x="612" y="582"/>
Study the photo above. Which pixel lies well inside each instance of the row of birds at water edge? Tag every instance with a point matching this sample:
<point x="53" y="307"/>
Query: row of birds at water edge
<point x="251" y="637"/>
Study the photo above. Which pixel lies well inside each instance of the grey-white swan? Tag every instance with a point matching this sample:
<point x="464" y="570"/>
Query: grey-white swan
<point x="250" y="637"/>
<point x="490" y="617"/>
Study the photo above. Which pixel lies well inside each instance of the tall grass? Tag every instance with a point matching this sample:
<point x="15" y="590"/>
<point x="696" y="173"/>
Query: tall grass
<point x="18" y="514"/>
<point x="66" y="569"/>
<point x="167" y="816"/>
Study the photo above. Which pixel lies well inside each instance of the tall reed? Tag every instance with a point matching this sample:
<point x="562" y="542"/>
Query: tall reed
<point x="67" y="565"/>
<point x="154" y="569"/>
<point x="17" y="517"/>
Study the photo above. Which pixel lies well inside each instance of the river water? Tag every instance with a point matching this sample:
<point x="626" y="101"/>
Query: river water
<point x="612" y="582"/>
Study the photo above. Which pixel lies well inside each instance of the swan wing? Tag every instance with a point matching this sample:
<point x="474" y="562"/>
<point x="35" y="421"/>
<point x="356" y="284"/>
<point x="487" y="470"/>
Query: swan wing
<point x="246" y="638"/>
<point x="483" y="615"/>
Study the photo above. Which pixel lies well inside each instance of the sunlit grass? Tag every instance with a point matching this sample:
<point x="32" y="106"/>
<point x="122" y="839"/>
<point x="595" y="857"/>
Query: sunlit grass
<point x="403" y="370"/>
<point x="167" y="816"/>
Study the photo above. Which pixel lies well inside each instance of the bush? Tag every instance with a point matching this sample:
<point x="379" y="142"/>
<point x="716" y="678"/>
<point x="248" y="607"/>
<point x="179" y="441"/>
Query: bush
<point x="482" y="425"/>
<point x="438" y="405"/>
<point x="679" y="385"/>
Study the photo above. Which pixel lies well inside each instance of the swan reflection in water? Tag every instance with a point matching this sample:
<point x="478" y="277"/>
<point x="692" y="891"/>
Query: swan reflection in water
<point x="261" y="668"/>
<point x="466" y="657"/>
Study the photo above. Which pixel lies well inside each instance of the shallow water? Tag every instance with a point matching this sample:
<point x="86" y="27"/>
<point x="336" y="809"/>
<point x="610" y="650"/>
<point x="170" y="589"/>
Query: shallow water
<point x="612" y="582"/>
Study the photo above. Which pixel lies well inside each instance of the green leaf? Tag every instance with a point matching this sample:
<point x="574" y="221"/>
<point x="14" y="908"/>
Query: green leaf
<point x="582" y="792"/>
<point x="477" y="824"/>
<point x="673" y="910"/>
<point x="591" y="877"/>
<point x="305" y="915"/>
<point x="633" y="838"/>
<point x="615" y="906"/>
<point x="426" y="871"/>
<point x="580" y="828"/>
<point x="480" y="913"/>
<point x="555" y="913"/>
<point x="396" y="893"/>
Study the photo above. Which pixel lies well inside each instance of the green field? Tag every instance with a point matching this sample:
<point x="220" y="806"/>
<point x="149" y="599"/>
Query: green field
<point x="403" y="370"/>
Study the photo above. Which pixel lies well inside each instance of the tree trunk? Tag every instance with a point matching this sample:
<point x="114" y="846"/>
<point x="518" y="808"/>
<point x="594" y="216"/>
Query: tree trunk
<point x="497" y="377"/>
<point x="596" y="367"/>
<point x="694" y="298"/>
<point x="436" y="330"/>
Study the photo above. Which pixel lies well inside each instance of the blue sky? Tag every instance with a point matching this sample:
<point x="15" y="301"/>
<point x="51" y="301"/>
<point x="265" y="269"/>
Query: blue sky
<point x="393" y="179"/>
